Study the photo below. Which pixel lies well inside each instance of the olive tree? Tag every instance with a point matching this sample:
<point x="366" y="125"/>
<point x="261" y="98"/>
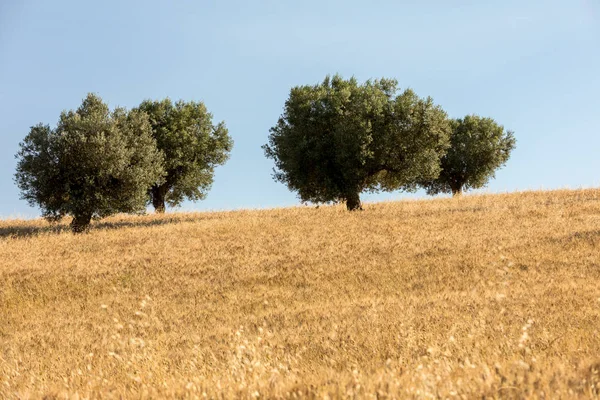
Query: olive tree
<point x="94" y="163"/>
<point x="478" y="147"/>
<point x="192" y="147"/>
<point x="340" y="138"/>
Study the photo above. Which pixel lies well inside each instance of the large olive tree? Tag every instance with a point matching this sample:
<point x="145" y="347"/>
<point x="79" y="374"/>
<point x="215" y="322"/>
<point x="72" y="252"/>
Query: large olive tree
<point x="192" y="147"/>
<point x="95" y="163"/>
<point x="478" y="147"/>
<point x="340" y="138"/>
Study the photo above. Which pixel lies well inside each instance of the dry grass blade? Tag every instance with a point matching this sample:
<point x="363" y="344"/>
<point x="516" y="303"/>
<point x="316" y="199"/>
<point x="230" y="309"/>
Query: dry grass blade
<point x="494" y="296"/>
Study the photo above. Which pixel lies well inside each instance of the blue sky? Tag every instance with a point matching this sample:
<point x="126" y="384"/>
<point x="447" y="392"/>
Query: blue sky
<point x="532" y="65"/>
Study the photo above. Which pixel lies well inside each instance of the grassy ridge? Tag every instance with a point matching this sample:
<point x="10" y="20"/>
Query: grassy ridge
<point x="494" y="295"/>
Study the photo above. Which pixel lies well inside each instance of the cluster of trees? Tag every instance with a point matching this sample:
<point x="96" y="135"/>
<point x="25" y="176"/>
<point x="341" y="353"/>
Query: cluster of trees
<point x="340" y="138"/>
<point x="334" y="141"/>
<point x="97" y="162"/>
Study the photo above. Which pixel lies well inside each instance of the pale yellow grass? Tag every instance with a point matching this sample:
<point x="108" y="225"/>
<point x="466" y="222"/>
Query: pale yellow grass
<point x="494" y="296"/>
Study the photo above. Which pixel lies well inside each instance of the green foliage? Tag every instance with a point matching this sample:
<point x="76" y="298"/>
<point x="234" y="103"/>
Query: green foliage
<point x="479" y="146"/>
<point x="339" y="138"/>
<point x="192" y="147"/>
<point x="93" y="164"/>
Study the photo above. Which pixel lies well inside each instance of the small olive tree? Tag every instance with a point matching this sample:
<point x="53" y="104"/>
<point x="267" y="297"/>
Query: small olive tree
<point x="93" y="164"/>
<point x="478" y="147"/>
<point x="340" y="138"/>
<point x="192" y="147"/>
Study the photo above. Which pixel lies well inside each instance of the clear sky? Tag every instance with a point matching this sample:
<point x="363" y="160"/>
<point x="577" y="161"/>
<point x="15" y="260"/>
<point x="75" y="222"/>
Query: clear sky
<point x="532" y="65"/>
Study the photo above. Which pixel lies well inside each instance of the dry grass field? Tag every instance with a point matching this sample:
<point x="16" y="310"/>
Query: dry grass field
<point x="488" y="296"/>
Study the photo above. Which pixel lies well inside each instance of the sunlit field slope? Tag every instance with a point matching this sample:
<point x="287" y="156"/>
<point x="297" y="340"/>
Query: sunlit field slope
<point x="493" y="296"/>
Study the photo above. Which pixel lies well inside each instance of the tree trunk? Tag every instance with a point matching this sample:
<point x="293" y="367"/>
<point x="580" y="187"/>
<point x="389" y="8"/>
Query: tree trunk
<point x="158" y="198"/>
<point x="81" y="223"/>
<point x="457" y="191"/>
<point x="353" y="202"/>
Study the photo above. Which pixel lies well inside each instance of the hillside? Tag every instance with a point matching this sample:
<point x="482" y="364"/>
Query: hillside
<point x="494" y="295"/>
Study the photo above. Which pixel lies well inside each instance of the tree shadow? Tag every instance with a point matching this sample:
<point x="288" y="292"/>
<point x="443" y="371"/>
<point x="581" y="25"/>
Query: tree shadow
<point x="143" y="223"/>
<point x="23" y="229"/>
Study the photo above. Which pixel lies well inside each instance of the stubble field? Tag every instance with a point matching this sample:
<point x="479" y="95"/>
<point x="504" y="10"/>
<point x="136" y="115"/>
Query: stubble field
<point x="494" y="296"/>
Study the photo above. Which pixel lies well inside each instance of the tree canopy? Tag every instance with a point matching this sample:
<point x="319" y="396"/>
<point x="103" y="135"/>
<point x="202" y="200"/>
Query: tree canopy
<point x="191" y="146"/>
<point x="339" y="138"/>
<point x="478" y="147"/>
<point x="95" y="163"/>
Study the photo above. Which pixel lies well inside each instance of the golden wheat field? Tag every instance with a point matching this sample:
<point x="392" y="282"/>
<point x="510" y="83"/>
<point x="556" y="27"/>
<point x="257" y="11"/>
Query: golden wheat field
<point x="486" y="296"/>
